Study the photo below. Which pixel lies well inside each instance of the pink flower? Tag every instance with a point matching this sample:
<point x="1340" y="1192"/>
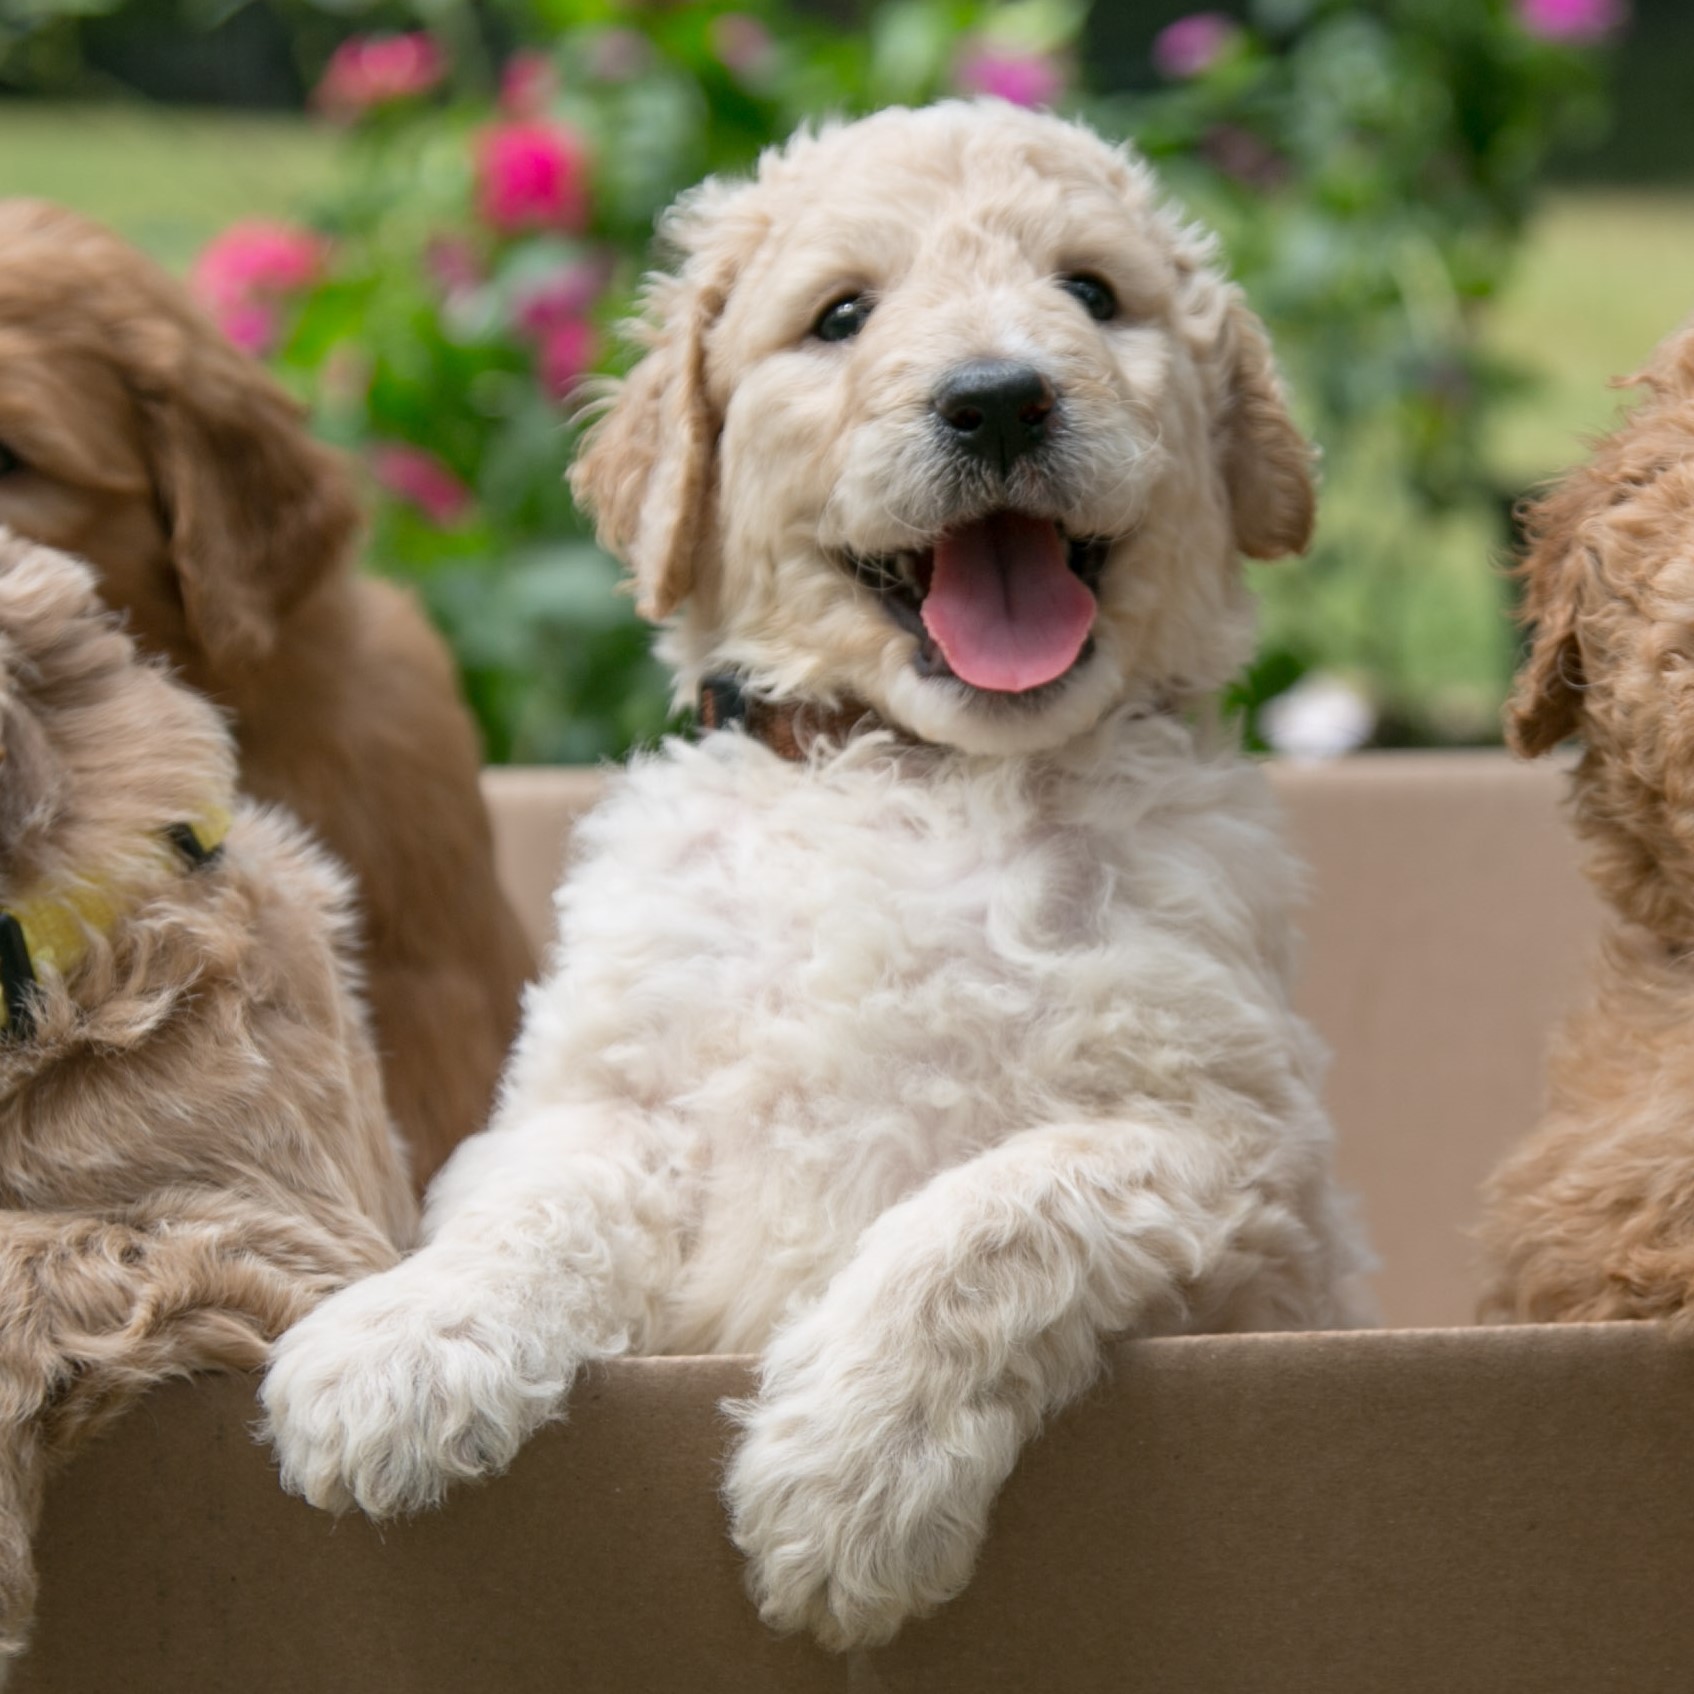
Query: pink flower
<point x="532" y="175"/>
<point x="560" y="298"/>
<point x="1192" y="45"/>
<point x="742" y="44"/>
<point x="1573" y="20"/>
<point x="1025" y="79"/>
<point x="1237" y="152"/>
<point x="243" y="275"/>
<point x="422" y="481"/>
<point x="374" y="70"/>
<point x="618" y="55"/>
<point x="527" y="84"/>
<point x="567" y="353"/>
<point x="251" y="325"/>
<point x="453" y="264"/>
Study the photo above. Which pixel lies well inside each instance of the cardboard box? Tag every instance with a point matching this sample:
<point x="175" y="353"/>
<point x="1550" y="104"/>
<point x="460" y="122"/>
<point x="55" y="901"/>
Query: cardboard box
<point x="1422" y="1508"/>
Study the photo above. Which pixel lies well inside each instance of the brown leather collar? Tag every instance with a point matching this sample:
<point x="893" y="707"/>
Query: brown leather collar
<point x="787" y="727"/>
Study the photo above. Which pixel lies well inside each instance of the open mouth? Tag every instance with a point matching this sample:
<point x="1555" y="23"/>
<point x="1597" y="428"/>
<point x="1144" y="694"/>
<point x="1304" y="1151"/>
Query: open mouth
<point x="1005" y="604"/>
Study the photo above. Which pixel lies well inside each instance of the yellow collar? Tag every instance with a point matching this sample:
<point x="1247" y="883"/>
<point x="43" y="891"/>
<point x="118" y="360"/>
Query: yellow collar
<point x="51" y="931"/>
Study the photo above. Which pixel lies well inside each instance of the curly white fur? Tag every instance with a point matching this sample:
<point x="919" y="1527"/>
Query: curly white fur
<point x="923" y="1069"/>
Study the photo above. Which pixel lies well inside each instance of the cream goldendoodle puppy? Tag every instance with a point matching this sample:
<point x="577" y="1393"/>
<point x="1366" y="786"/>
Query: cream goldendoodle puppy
<point x="934" y="1026"/>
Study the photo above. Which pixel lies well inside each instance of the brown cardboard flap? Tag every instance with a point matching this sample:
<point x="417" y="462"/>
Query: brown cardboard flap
<point x="1504" y="1512"/>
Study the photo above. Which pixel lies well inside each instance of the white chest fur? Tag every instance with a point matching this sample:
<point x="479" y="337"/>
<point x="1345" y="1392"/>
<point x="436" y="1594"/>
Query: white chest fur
<point x="827" y="983"/>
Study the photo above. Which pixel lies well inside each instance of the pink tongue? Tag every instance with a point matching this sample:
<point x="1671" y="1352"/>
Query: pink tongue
<point x="1003" y="605"/>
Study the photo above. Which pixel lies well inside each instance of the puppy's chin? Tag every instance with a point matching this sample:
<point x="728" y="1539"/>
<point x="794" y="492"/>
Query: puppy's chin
<point x="950" y="713"/>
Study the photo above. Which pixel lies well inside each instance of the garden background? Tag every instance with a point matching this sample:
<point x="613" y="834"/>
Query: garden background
<point x="1460" y="218"/>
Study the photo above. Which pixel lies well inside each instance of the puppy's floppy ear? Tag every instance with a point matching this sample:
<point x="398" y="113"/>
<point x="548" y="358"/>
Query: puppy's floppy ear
<point x="257" y="512"/>
<point x="31" y="779"/>
<point x="1546" y="702"/>
<point x="1267" y="462"/>
<point x="647" y="470"/>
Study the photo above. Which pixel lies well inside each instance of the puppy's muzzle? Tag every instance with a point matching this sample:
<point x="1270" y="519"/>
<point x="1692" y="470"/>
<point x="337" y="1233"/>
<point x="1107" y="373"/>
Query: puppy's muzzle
<point x="996" y="410"/>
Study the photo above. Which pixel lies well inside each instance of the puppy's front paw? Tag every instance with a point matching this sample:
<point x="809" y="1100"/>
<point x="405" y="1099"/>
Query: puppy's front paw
<point x="855" y="1511"/>
<point x="397" y="1387"/>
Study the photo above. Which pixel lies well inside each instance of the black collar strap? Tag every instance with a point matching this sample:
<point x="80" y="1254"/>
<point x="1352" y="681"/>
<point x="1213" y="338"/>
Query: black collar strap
<point x="787" y="727"/>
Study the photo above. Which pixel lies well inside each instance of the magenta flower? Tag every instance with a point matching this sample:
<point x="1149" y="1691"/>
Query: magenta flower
<point x="742" y="44"/>
<point x="1573" y="20"/>
<point x="374" y="70"/>
<point x="532" y="175"/>
<point x="551" y="314"/>
<point x="421" y="480"/>
<point x="243" y="275"/>
<point x="527" y="84"/>
<point x="566" y="355"/>
<point x="560" y="298"/>
<point x="1192" y="45"/>
<point x="1025" y="79"/>
<point x="252" y="325"/>
<point x="453" y="265"/>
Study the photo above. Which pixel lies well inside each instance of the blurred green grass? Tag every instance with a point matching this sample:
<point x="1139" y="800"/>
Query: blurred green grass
<point x="168" y="179"/>
<point x="1605" y="276"/>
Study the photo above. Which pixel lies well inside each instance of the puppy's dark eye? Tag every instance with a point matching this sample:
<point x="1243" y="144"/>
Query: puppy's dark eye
<point x="843" y="320"/>
<point x="9" y="461"/>
<point x="1096" y="296"/>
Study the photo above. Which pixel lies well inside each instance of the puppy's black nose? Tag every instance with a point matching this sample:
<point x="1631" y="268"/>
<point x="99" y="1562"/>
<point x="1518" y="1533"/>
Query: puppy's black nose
<point x="996" y="409"/>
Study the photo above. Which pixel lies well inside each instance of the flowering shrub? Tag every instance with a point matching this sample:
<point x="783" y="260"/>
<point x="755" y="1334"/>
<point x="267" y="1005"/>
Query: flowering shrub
<point x="1367" y="164"/>
<point x="1369" y="168"/>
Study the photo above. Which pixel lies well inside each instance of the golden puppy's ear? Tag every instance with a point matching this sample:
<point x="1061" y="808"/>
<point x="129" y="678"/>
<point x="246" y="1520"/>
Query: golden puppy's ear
<point x="646" y="469"/>
<point x="1546" y="702"/>
<point x="1267" y="462"/>
<point x="258" y="513"/>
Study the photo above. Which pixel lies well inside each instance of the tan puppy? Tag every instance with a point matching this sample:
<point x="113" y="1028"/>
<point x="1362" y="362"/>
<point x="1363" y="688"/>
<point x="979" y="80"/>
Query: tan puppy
<point x="193" y="1145"/>
<point x="132" y="434"/>
<point x="1594" y="1216"/>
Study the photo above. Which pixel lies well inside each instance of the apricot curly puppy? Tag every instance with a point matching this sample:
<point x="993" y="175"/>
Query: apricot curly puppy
<point x="1593" y="1217"/>
<point x="193" y="1143"/>
<point x="933" y="1026"/>
<point x="133" y="435"/>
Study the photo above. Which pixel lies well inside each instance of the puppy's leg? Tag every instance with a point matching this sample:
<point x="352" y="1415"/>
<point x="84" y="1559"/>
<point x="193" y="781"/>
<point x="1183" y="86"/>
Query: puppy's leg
<point x="891" y="1412"/>
<point x="548" y="1243"/>
<point x="92" y="1314"/>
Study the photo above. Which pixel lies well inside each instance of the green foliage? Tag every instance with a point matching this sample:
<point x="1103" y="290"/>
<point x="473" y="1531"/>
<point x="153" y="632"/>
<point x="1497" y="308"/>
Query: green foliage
<point x="1368" y="166"/>
<point x="1370" y="169"/>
